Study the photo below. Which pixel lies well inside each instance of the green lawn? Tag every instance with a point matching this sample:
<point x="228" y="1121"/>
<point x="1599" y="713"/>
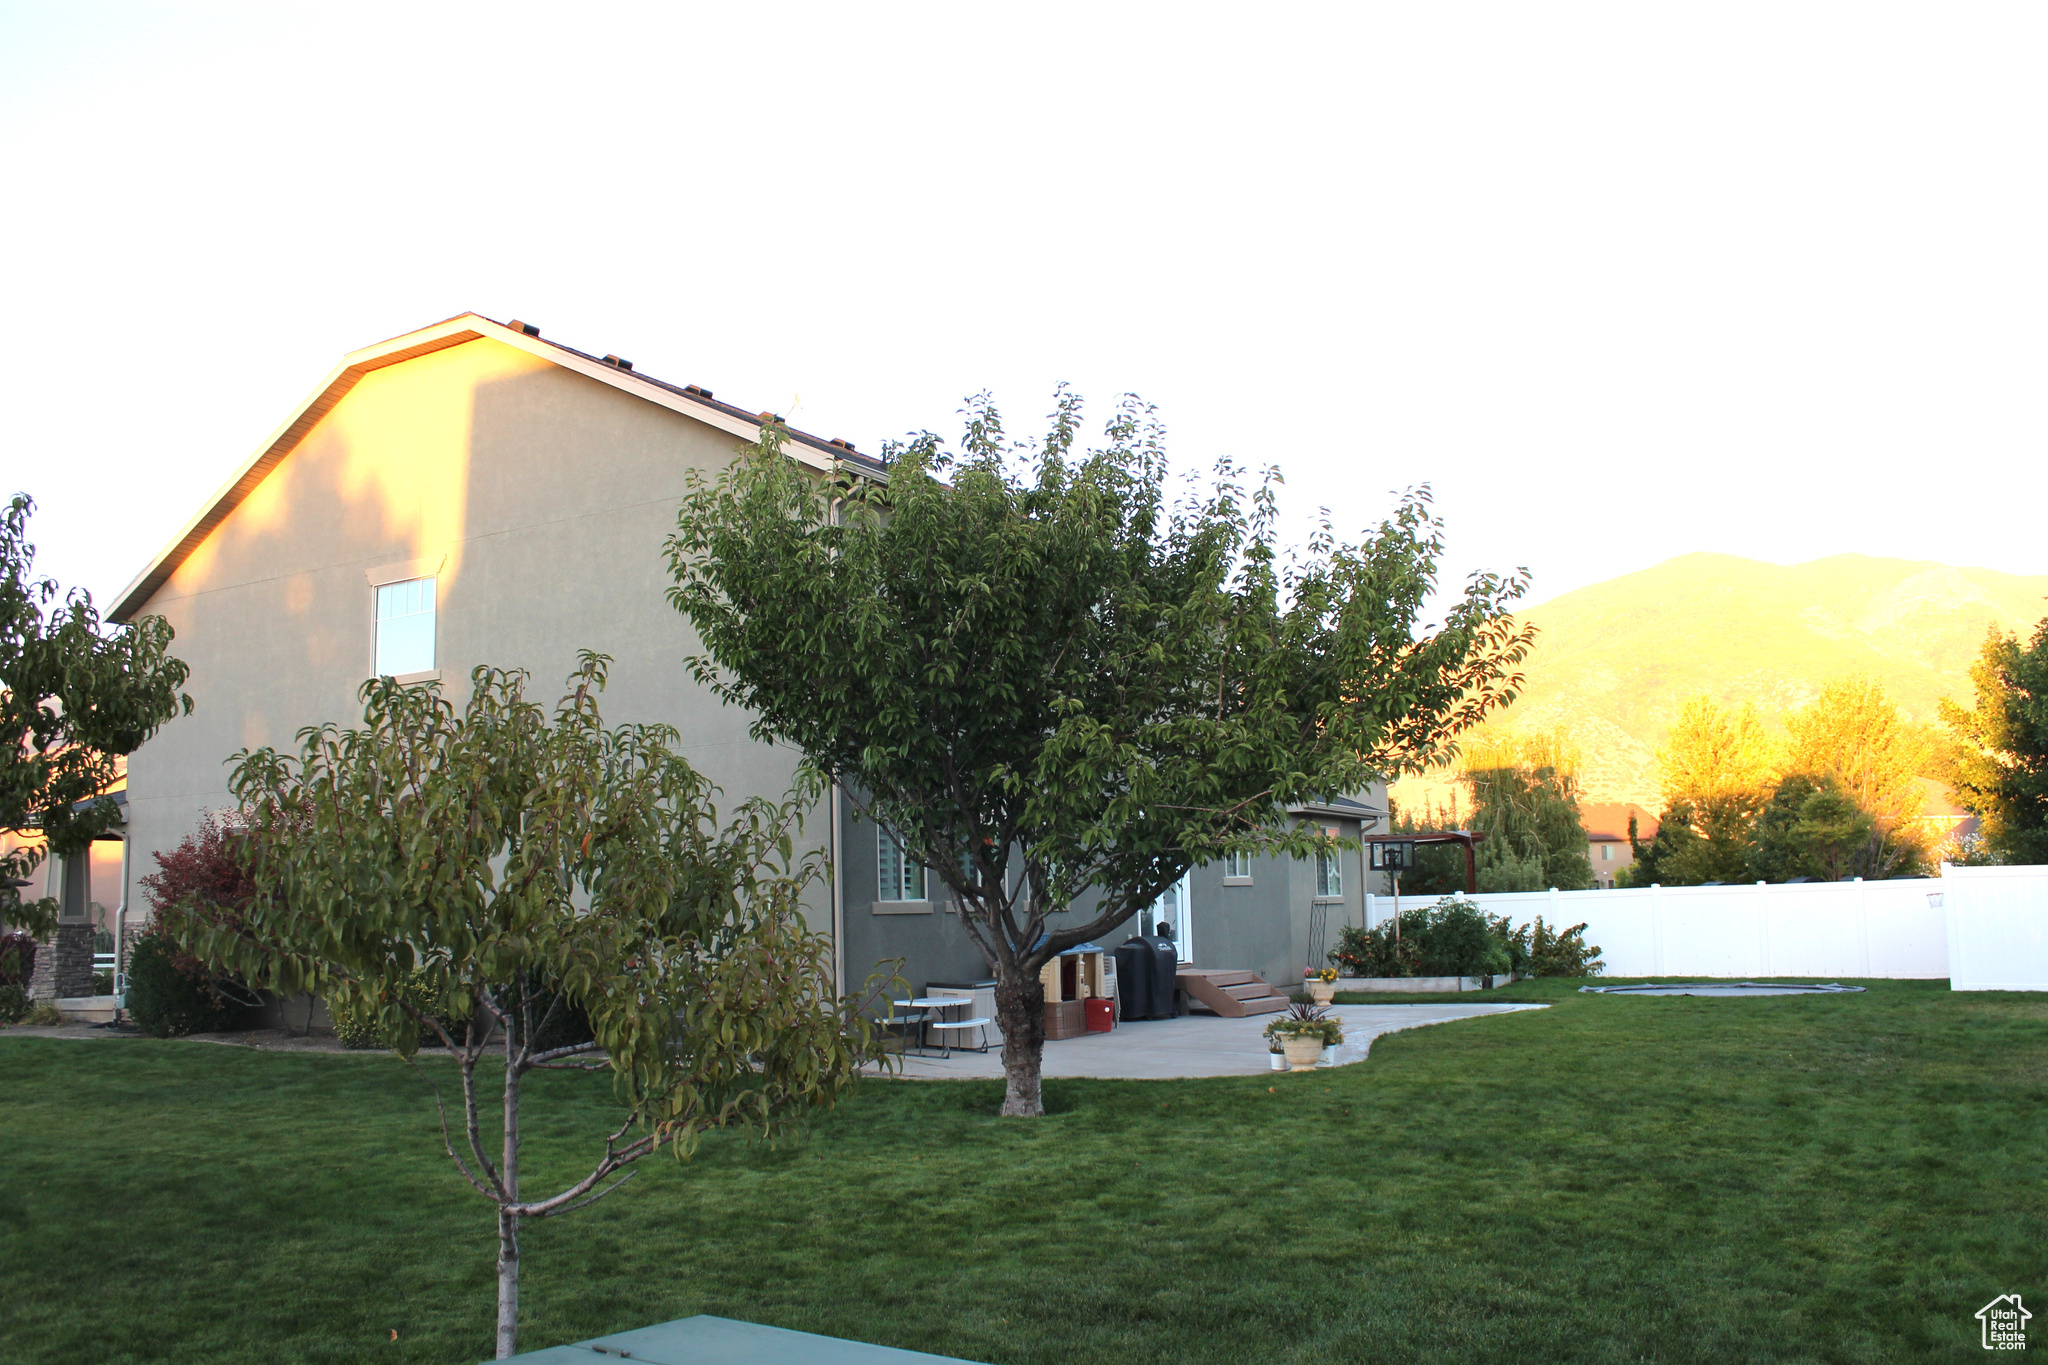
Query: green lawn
<point x="1831" y="1178"/>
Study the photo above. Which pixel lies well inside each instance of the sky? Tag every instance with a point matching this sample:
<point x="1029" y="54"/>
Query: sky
<point x="1619" y="282"/>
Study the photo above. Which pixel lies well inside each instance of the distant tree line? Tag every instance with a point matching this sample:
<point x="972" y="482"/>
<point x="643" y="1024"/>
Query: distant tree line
<point x="1838" y="794"/>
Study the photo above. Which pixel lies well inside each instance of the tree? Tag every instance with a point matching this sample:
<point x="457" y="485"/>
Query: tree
<point x="1718" y="767"/>
<point x="2002" y="772"/>
<point x="1050" y="684"/>
<point x="1810" y="827"/>
<point x="75" y="698"/>
<point x="1525" y="797"/>
<point x="495" y="867"/>
<point x="1854" y="739"/>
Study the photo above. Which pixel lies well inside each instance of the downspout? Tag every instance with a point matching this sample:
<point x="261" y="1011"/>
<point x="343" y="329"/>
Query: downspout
<point x="1364" y="885"/>
<point x="838" y="877"/>
<point x="121" y="926"/>
<point x="838" y="902"/>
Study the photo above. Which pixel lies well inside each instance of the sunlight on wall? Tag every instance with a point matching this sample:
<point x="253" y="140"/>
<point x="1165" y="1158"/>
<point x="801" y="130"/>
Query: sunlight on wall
<point x="404" y="438"/>
<point x="388" y="467"/>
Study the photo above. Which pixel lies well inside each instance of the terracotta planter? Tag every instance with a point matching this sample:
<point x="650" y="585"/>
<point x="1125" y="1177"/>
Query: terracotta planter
<point x="1304" y="1051"/>
<point x="1322" y="992"/>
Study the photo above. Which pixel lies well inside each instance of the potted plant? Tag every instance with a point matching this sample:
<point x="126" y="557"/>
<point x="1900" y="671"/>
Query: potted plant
<point x="1322" y="986"/>
<point x="1303" y="1032"/>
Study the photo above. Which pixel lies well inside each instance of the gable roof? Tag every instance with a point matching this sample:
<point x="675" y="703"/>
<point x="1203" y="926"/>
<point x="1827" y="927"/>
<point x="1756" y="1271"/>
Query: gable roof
<point x="688" y="400"/>
<point x="1606" y="822"/>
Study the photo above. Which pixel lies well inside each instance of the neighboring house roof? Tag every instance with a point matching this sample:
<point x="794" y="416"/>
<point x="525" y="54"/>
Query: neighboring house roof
<point x="687" y="399"/>
<point x="1607" y="821"/>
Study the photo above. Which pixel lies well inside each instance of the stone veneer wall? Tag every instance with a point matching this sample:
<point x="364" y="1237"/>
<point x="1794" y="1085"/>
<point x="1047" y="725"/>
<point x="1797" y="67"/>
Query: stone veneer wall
<point x="63" y="964"/>
<point x="71" y="961"/>
<point x="42" y="982"/>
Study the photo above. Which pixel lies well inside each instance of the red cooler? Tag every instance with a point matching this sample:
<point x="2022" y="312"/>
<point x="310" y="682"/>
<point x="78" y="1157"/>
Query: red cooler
<point x="1101" y="1014"/>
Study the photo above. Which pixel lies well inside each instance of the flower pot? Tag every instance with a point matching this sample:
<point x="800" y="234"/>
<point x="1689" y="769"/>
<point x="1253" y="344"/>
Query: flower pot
<point x="1322" y="992"/>
<point x="1303" y="1051"/>
<point x="1329" y="1057"/>
<point x="1279" y="1061"/>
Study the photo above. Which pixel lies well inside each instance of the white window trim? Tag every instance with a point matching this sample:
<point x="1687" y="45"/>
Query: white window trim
<point x="1336" y="865"/>
<point x="425" y="566"/>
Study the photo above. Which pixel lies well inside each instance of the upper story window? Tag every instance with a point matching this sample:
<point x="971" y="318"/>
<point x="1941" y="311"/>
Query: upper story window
<point x="902" y="878"/>
<point x="1237" y="865"/>
<point x="405" y="627"/>
<point x="1329" y="874"/>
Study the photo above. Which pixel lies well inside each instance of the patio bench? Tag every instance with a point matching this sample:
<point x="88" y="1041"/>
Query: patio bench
<point x="946" y="1031"/>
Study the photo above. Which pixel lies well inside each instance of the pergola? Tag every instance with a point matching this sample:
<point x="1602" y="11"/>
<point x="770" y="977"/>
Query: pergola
<point x="1469" y="838"/>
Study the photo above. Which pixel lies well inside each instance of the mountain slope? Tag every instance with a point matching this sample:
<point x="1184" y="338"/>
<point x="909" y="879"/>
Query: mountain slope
<point x="1614" y="661"/>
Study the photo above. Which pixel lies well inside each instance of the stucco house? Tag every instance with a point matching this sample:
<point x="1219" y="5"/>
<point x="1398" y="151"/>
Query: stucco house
<point x="1607" y="847"/>
<point x="474" y="492"/>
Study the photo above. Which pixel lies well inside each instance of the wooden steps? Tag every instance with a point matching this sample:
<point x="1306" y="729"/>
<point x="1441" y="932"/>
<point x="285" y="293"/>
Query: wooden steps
<point x="1233" y="995"/>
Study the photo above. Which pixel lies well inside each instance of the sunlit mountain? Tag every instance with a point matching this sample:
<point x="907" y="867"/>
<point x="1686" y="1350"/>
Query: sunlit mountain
<point x="1614" y="661"/>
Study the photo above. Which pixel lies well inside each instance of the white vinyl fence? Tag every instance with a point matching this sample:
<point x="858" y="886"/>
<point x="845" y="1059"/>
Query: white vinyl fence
<point x="1997" y="928"/>
<point x="1818" y="929"/>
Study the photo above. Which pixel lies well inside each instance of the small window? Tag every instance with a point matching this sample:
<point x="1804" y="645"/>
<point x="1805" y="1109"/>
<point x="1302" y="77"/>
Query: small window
<point x="405" y="628"/>
<point x="901" y="879"/>
<point x="1237" y="865"/>
<point x="1329" y="876"/>
<point x="1607" y="853"/>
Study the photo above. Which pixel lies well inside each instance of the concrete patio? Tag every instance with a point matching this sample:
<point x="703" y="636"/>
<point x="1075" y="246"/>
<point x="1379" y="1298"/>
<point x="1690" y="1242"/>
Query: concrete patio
<point x="1195" y="1045"/>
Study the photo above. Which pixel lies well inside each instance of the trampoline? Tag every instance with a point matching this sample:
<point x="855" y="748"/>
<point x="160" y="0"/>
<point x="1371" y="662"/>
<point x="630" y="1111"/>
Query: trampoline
<point x="1724" y="988"/>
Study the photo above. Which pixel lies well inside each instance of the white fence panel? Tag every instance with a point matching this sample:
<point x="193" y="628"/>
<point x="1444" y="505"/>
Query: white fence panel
<point x="1821" y="929"/>
<point x="1997" y="927"/>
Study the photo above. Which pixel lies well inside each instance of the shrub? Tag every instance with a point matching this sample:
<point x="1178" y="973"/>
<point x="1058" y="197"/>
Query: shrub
<point x="1562" y="952"/>
<point x="1450" y="938"/>
<point x="355" y="1027"/>
<point x="43" y="1014"/>
<point x="1458" y="940"/>
<point x="205" y="883"/>
<point x="1375" y="952"/>
<point x="13" y="1003"/>
<point x="166" y="997"/>
<point x="17" y="958"/>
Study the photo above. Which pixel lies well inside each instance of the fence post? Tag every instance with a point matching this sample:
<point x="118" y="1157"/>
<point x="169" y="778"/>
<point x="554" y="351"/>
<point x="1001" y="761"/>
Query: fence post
<point x="1656" y="929"/>
<point x="1863" y="921"/>
<point x="1368" y="909"/>
<point x="1763" y="926"/>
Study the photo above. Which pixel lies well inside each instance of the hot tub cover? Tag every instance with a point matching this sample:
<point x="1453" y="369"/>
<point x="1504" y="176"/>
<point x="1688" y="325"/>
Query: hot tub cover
<point x="708" y="1340"/>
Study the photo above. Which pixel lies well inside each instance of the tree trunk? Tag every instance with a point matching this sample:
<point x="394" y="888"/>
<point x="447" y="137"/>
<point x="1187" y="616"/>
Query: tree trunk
<point x="1020" y="1009"/>
<point x="508" y="1222"/>
<point x="508" y="1283"/>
